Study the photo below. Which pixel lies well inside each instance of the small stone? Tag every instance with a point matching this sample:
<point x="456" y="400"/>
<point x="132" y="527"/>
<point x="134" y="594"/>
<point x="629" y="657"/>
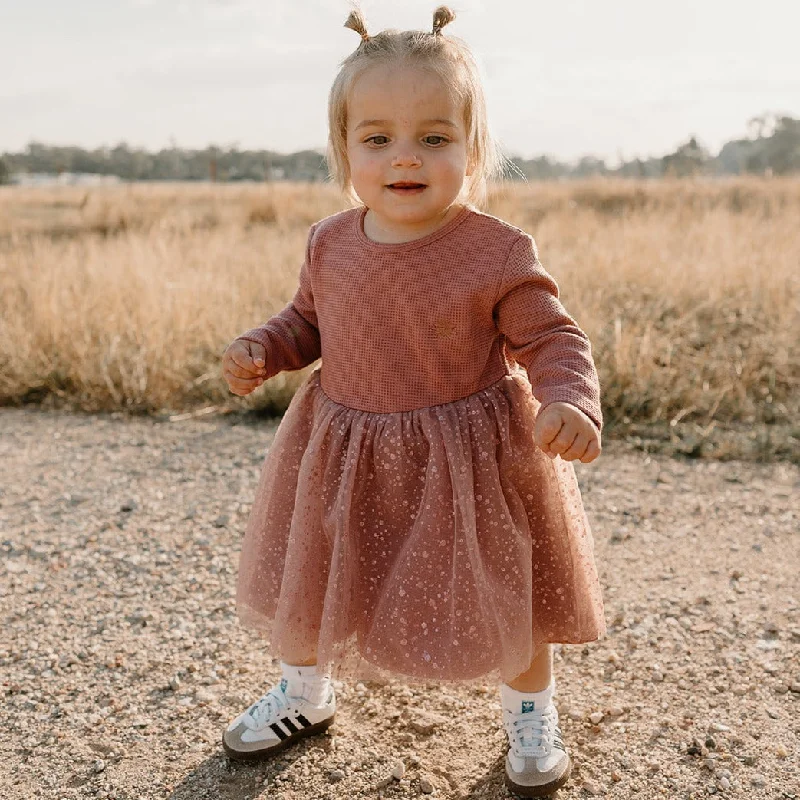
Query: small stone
<point x="425" y="786"/>
<point x="711" y="743"/>
<point x="590" y="787"/>
<point x="758" y="779"/>
<point x="221" y="521"/>
<point x="99" y="765"/>
<point x="399" y="770"/>
<point x="335" y="775"/>
<point x="615" y="776"/>
<point x="426" y="722"/>
<point x="794" y="686"/>
<point x="596" y="717"/>
<point x="724" y="784"/>
<point x="718" y="727"/>
<point x="128" y="506"/>
<point x="695" y="748"/>
<point x="204" y="695"/>
<point x="657" y="676"/>
<point x="615" y="711"/>
<point x="748" y="759"/>
<point x="175" y="683"/>
<point x="781" y="751"/>
<point x="575" y="715"/>
<point x="657" y="732"/>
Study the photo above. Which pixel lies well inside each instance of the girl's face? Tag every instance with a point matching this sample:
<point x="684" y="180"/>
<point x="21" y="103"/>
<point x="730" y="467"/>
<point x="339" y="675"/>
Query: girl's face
<point x="406" y="147"/>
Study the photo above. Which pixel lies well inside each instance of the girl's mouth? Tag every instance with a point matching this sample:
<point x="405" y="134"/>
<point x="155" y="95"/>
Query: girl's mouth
<point x="406" y="187"/>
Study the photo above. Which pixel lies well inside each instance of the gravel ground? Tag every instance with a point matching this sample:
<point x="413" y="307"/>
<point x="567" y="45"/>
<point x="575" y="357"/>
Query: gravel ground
<point x="122" y="661"/>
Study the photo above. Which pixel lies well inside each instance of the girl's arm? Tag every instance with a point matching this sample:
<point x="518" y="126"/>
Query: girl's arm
<point x="291" y="338"/>
<point x="542" y="337"/>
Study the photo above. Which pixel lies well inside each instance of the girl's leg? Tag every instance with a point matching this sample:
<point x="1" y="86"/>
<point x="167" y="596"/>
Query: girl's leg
<point x="537" y="676"/>
<point x="528" y="711"/>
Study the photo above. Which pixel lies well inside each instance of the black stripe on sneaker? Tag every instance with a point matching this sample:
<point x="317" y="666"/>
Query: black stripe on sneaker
<point x="303" y="721"/>
<point x="290" y="725"/>
<point x="279" y="731"/>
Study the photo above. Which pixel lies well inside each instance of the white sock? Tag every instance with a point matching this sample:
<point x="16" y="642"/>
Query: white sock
<point x="305" y="682"/>
<point x="520" y="702"/>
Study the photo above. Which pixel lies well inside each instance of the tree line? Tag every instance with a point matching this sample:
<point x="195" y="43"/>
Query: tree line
<point x="772" y="147"/>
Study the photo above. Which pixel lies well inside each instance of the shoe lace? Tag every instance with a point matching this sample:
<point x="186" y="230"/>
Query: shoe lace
<point x="264" y="709"/>
<point x="532" y="732"/>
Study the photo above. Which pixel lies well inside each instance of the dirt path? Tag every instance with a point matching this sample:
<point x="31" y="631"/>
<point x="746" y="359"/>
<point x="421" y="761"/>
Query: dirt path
<point x="121" y="659"/>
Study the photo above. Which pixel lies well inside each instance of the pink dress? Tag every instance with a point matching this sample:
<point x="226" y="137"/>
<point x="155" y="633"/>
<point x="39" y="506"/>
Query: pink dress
<point x="405" y="523"/>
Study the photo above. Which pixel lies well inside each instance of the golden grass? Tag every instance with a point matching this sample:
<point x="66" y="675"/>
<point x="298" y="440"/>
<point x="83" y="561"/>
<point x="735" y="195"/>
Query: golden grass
<point x="126" y="297"/>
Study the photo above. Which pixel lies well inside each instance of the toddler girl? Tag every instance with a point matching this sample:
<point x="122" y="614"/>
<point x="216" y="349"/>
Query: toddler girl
<point x="417" y="516"/>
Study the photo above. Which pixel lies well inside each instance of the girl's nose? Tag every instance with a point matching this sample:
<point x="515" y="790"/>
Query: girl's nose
<point x="406" y="159"/>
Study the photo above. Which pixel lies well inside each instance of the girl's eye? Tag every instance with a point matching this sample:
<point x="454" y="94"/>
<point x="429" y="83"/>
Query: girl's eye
<point x="438" y="140"/>
<point x="374" y="139"/>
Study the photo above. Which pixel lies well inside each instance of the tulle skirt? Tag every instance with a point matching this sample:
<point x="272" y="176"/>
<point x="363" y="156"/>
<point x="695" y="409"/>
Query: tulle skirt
<point x="438" y="544"/>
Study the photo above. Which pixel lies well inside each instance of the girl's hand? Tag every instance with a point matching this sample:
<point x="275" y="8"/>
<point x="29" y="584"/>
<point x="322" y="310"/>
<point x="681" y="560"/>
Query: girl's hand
<point x="564" y="430"/>
<point x="243" y="366"/>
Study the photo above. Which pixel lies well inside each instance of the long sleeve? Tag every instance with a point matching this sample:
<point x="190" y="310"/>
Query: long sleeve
<point x="291" y="338"/>
<point x="542" y="337"/>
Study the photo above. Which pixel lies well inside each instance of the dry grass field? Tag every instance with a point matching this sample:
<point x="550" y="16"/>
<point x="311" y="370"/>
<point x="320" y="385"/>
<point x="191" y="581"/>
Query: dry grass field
<point x="124" y="298"/>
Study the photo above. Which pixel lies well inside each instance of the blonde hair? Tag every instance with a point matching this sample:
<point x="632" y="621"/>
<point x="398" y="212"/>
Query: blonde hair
<point x="446" y="56"/>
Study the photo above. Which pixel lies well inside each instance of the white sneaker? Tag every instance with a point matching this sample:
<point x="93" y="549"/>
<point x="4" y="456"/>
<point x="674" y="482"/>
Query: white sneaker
<point x="274" y="722"/>
<point x="537" y="763"/>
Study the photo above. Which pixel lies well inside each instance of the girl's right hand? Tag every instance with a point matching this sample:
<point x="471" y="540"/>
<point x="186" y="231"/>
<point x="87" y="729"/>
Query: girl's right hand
<point x="243" y="366"/>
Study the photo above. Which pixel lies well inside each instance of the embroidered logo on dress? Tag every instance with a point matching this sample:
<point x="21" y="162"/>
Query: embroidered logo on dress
<point x="527" y="705"/>
<point x="284" y="684"/>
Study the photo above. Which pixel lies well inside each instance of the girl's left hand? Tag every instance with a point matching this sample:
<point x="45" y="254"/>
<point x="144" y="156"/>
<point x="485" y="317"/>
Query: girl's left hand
<point x="564" y="430"/>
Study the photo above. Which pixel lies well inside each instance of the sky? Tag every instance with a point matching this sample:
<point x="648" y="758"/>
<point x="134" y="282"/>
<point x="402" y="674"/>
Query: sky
<point x="617" y="79"/>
